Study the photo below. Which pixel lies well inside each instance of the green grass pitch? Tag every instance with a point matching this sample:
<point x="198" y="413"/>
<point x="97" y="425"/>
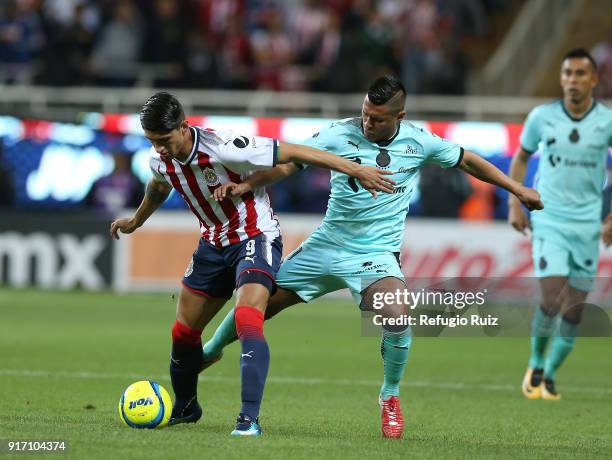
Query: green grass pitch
<point x="66" y="358"/>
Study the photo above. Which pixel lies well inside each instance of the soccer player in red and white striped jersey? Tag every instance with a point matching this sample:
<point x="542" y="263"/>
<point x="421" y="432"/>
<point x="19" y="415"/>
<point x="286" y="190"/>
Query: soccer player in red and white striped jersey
<point x="240" y="246"/>
<point x="216" y="158"/>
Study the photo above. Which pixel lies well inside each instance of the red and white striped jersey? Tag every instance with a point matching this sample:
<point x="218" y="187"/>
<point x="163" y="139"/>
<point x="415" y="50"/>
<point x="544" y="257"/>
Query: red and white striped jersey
<point x="219" y="157"/>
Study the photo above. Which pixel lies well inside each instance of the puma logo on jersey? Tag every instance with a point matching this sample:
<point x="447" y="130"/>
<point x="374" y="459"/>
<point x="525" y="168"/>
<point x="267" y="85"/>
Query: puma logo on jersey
<point x="246" y="355"/>
<point x="353" y="144"/>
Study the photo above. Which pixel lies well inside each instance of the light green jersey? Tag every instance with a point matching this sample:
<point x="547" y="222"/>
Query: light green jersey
<point x="354" y="219"/>
<point x="573" y="157"/>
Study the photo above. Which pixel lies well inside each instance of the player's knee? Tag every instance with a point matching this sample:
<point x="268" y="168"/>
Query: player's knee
<point x="574" y="314"/>
<point x="254" y="288"/>
<point x="253" y="295"/>
<point x="385" y="296"/>
<point x="400" y="335"/>
<point x="249" y="322"/>
<point x="551" y="305"/>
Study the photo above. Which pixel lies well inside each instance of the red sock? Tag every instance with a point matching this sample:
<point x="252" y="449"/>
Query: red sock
<point x="185" y="362"/>
<point x="254" y="360"/>
<point x="185" y="337"/>
<point x="249" y="322"/>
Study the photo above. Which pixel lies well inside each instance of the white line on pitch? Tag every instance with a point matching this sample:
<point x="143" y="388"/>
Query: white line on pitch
<point x="291" y="381"/>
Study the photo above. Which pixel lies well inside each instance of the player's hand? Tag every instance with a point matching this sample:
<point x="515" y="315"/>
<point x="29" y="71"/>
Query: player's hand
<point x="606" y="231"/>
<point x="375" y="180"/>
<point x="517" y="217"/>
<point x="530" y="198"/>
<point x="125" y="225"/>
<point x="231" y="189"/>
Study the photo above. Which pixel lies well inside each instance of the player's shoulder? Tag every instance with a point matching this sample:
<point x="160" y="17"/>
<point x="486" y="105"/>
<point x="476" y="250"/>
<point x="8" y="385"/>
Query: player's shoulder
<point x="210" y="136"/>
<point x="546" y="109"/>
<point x="409" y="128"/>
<point x="153" y="156"/>
<point x="603" y="110"/>
<point x="410" y="131"/>
<point x="603" y="117"/>
<point x="330" y="132"/>
<point x="346" y="125"/>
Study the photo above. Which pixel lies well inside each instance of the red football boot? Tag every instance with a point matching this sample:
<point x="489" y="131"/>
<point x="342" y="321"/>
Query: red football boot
<point x="392" y="418"/>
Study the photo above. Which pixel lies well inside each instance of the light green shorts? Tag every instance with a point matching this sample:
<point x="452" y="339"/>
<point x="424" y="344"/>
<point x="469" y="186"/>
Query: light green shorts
<point x="320" y="266"/>
<point x="571" y="251"/>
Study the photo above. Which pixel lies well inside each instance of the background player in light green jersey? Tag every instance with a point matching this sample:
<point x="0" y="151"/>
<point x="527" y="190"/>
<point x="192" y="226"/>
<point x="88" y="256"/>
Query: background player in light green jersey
<point x="357" y="246"/>
<point x="573" y="136"/>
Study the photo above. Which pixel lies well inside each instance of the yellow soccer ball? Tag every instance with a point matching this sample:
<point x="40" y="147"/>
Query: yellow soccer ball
<point x="145" y="404"/>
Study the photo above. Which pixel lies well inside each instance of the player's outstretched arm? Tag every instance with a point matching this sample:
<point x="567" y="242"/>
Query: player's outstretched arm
<point x="372" y="179"/>
<point x="480" y="168"/>
<point x="257" y="179"/>
<point x="517" y="217"/>
<point x="156" y="193"/>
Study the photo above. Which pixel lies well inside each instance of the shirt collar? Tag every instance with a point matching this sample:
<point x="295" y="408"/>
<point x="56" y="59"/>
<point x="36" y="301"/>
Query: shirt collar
<point x="388" y="141"/>
<point x="196" y="141"/>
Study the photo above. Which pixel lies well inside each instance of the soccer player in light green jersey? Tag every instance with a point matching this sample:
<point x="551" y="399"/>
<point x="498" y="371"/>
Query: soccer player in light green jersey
<point x="573" y="136"/>
<point x="357" y="245"/>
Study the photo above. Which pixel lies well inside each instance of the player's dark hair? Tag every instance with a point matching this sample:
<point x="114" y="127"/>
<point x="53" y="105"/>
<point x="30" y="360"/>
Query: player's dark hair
<point x="581" y="53"/>
<point x="384" y="88"/>
<point x="161" y="113"/>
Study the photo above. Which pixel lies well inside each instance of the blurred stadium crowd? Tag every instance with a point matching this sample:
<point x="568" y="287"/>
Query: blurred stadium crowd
<point x="335" y="46"/>
<point x="311" y="45"/>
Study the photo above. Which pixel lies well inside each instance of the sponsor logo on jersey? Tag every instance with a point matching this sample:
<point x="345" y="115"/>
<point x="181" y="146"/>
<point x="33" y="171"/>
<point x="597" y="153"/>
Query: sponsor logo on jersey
<point x="241" y="142"/>
<point x="411" y="150"/>
<point x="210" y="176"/>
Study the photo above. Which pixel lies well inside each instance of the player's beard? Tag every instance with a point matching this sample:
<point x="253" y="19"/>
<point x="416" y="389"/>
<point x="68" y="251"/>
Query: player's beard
<point x="576" y="96"/>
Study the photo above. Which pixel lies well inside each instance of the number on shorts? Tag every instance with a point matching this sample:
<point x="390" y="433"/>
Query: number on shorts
<point x="250" y="248"/>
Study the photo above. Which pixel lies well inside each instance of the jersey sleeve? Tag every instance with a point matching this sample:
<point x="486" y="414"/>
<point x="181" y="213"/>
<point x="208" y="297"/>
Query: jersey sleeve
<point x="441" y="151"/>
<point x="531" y="134"/>
<point x="243" y="154"/>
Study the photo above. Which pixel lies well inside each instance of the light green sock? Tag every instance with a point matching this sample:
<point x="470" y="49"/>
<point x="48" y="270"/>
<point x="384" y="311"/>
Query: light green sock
<point x="561" y="346"/>
<point x="223" y="336"/>
<point x="394" y="349"/>
<point x="542" y="328"/>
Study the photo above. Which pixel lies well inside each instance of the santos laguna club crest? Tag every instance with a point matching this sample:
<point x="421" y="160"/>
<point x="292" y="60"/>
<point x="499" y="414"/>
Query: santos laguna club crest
<point x="210" y="176"/>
